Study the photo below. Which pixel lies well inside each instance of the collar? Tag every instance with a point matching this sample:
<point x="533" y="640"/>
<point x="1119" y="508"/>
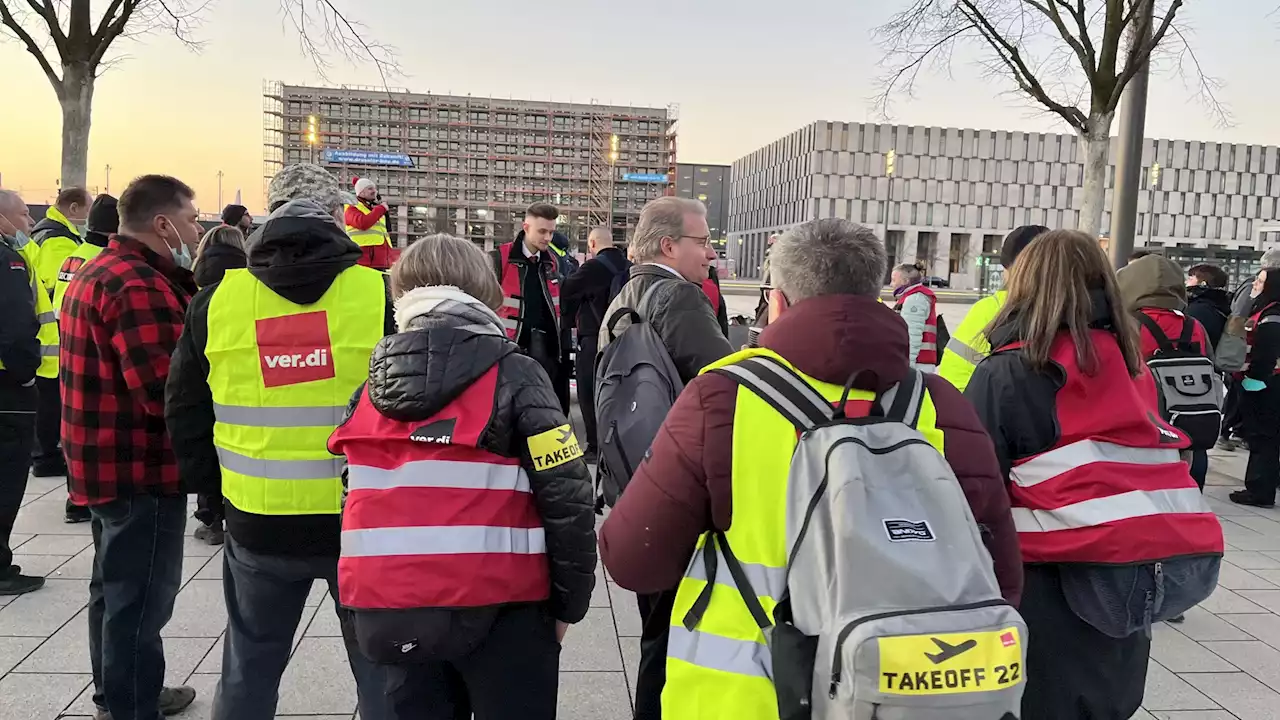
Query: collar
<point x="163" y="263"/>
<point x="54" y="214"/>
<point x="524" y="250"/>
<point x="668" y="268"/>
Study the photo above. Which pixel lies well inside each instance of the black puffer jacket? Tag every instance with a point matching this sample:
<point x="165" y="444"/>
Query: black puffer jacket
<point x="415" y="374"/>
<point x="215" y="261"/>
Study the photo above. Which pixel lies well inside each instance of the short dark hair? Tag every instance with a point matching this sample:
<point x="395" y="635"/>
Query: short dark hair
<point x="1211" y="275"/>
<point x="149" y="196"/>
<point x="546" y="211"/>
<point x="73" y="196"/>
<point x="1139" y="254"/>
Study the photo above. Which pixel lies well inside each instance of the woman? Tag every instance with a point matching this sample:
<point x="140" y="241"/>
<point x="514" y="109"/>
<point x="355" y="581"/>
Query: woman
<point x="1114" y="533"/>
<point x="469" y="528"/>
<point x="918" y="306"/>
<point x="221" y="249"/>
<point x="1260" y="394"/>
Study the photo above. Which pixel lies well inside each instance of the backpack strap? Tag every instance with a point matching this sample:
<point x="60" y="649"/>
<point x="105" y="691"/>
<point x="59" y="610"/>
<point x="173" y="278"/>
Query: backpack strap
<point x="783" y="389"/>
<point x="637" y="314"/>
<point x="716" y="539"/>
<point x="902" y="402"/>
<point x="604" y="260"/>
<point x="1162" y="340"/>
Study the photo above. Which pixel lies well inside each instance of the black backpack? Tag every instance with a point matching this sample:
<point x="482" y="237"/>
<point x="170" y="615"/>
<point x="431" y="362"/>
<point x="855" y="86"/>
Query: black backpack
<point x="944" y="337"/>
<point x="620" y="275"/>
<point x="1189" y="386"/>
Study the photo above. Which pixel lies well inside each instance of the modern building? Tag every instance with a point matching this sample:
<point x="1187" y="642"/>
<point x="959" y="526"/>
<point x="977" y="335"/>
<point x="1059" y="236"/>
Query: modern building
<point x="710" y="184"/>
<point x="953" y="194"/>
<point x="470" y="166"/>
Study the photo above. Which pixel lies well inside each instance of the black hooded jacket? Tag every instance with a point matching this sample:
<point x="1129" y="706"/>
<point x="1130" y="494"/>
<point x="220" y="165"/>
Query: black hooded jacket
<point x="297" y="253"/>
<point x="1212" y="307"/>
<point x="215" y="261"/>
<point x="1264" y="350"/>
<point x="415" y="374"/>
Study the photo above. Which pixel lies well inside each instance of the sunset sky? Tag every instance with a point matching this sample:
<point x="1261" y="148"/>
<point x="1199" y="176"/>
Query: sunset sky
<point x="743" y="72"/>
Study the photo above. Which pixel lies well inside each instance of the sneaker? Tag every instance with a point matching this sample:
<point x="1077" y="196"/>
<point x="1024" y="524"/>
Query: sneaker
<point x="1244" y="497"/>
<point x="1228" y="444"/>
<point x="76" y="514"/>
<point x="1177" y="620"/>
<point x="15" y="583"/>
<point x="210" y="534"/>
<point x="173" y="700"/>
<point x="56" y="468"/>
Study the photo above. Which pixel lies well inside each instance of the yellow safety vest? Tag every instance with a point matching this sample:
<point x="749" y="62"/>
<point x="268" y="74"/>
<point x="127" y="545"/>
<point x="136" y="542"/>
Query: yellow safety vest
<point x="969" y="345"/>
<point x="281" y="375"/>
<point x="48" y="333"/>
<point x="374" y="236"/>
<point x="54" y="249"/>
<point x="721" y="669"/>
<point x="85" y="252"/>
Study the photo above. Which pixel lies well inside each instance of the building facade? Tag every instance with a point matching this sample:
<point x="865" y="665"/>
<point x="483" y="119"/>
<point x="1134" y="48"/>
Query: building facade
<point x="470" y="166"/>
<point x="710" y="184"/>
<point x="952" y="195"/>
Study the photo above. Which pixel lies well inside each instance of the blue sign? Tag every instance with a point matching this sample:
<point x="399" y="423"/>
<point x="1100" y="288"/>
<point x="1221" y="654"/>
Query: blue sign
<point x="367" y="157"/>
<point x="645" y="177"/>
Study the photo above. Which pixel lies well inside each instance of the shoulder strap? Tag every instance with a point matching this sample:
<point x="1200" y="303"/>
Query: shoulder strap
<point x="498" y="268"/>
<point x="1188" y="327"/>
<point x="902" y="402"/>
<point x="1162" y="340"/>
<point x="604" y="260"/>
<point x="637" y="313"/>
<point x="1269" y="319"/>
<point x="783" y="389"/>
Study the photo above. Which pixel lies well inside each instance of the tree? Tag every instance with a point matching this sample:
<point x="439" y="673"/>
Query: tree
<point x="1072" y="58"/>
<point x="71" y="43"/>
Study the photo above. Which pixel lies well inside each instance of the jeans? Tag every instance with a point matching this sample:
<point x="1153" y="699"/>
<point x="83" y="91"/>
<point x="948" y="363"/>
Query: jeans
<point x="265" y="596"/>
<point x="511" y="675"/>
<point x="137" y="571"/>
<point x="17" y="435"/>
<point x="585" y="372"/>
<point x="48" y="453"/>
<point x="655" y="614"/>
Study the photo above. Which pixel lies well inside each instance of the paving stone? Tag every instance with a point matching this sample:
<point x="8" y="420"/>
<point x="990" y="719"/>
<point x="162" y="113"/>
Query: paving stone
<point x="592" y="644"/>
<point x="600" y="592"/>
<point x="41" y="613"/>
<point x="1258" y="523"/>
<point x="14" y="649"/>
<point x="1166" y="691"/>
<point x="1202" y="625"/>
<point x="1254" y="657"/>
<point x="318" y="680"/>
<point x="192" y="547"/>
<point x="79" y="567"/>
<point x="1142" y="715"/>
<point x="1181" y="654"/>
<point x="1262" y="627"/>
<point x="17" y="539"/>
<point x="199" y="611"/>
<point x="593" y="696"/>
<point x="1240" y="693"/>
<point x="39" y="565"/>
<point x="212" y="570"/>
<point x="66" y="545"/>
<point x="202" y="708"/>
<point x="45" y="516"/>
<point x="1246" y="538"/>
<point x="631" y="661"/>
<point x="1195" y="715"/>
<point x="626" y="616"/>
<point x="1250" y="560"/>
<point x="1224" y="601"/>
<point x="1269" y="599"/>
<point x="39" y="697"/>
<point x="1235" y="578"/>
<point x="325" y="622"/>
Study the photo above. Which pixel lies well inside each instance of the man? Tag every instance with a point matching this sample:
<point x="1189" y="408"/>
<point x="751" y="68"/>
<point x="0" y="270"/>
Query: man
<point x="969" y="345"/>
<point x="237" y="216"/>
<point x="918" y="306"/>
<point x="366" y="224"/>
<point x="762" y="307"/>
<point x="671" y="244"/>
<point x="708" y="471"/>
<point x="529" y="274"/>
<point x="121" y="317"/>
<point x="1208" y="300"/>
<point x="588" y="289"/>
<point x="60" y="232"/>
<point x="19" y="360"/>
<point x="104" y="221"/>
<point x="261" y="377"/>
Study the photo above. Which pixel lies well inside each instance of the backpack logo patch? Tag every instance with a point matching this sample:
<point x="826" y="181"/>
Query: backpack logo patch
<point x="900" y="530"/>
<point x="439" y="432"/>
<point x="295" y="349"/>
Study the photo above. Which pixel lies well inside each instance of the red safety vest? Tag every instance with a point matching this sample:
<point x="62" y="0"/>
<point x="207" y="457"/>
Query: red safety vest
<point x="1112" y="489"/>
<point x="928" y="354"/>
<point x="512" y="310"/>
<point x="431" y="519"/>
<point x="712" y="291"/>
<point x="1250" y="329"/>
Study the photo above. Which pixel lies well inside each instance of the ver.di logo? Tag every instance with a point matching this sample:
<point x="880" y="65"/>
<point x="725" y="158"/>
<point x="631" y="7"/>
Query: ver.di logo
<point x="295" y="349"/>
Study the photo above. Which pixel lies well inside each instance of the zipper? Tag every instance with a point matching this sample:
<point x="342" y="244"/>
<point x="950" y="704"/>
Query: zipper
<point x="837" y="663"/>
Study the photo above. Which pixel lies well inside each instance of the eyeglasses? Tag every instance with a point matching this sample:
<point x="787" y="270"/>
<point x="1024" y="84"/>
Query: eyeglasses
<point x="701" y="239"/>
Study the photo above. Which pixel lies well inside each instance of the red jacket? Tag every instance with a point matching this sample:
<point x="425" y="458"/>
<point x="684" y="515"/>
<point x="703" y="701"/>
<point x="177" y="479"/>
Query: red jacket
<point x="1171" y="324"/>
<point x="684" y="488"/>
<point x="378" y="257"/>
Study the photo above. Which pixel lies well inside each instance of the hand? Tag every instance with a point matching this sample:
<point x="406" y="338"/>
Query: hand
<point x="561" y="629"/>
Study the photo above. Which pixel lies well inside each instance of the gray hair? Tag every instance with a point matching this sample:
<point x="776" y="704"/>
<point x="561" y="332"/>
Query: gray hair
<point x="828" y="257"/>
<point x="910" y="272"/>
<point x="1270" y="259"/>
<point x="663" y="217"/>
<point x="443" y="259"/>
<point x="10" y="199"/>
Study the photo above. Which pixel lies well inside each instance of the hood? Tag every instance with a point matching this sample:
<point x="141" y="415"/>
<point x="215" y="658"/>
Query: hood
<point x="1152" y="281"/>
<point x="1219" y="298"/>
<point x="857" y="335"/>
<point x="447" y="341"/>
<point x="1011" y="332"/>
<point x="215" y="261"/>
<point x="299" y="251"/>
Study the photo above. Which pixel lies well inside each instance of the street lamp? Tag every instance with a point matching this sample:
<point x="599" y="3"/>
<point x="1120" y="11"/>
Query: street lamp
<point x="312" y="137"/>
<point x="1151" y="215"/>
<point x="890" y="167"/>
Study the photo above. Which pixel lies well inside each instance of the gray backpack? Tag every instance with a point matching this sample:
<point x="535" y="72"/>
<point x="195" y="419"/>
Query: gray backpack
<point x="1189" y="387"/>
<point x="891" y="608"/>
<point x="636" y="385"/>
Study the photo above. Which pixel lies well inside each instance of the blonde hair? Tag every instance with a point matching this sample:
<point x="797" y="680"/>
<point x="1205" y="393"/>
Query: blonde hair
<point x="221" y="235"/>
<point x="1052" y="288"/>
<point x="443" y="259"/>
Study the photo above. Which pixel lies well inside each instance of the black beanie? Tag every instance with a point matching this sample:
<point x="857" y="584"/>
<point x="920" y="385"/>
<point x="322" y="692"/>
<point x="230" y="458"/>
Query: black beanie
<point x="1017" y="241"/>
<point x="104" y="219"/>
<point x="233" y="214"/>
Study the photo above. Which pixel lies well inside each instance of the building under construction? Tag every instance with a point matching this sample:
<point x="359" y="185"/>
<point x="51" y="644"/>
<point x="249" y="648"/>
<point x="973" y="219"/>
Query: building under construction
<point x="470" y="166"/>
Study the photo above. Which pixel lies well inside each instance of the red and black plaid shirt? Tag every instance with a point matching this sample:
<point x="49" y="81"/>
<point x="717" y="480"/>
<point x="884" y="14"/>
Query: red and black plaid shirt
<point x="120" y="321"/>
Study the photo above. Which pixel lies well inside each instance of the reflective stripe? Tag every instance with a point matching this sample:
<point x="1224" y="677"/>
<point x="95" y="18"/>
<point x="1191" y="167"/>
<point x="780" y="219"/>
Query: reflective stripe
<point x="48" y="351"/>
<point x="439" y="474"/>
<point x="370" y="231"/>
<point x="1099" y="511"/>
<point x="511" y="302"/>
<point x="741" y="657"/>
<point x="46" y="317"/>
<point x="510" y="323"/>
<point x="279" y="417"/>
<point x="1084" y="452"/>
<point x="764" y="580"/>
<point x="931" y="346"/>
<point x="280" y="469"/>
<point x="971" y="356"/>
<point x="930" y="328"/>
<point x="555" y="300"/>
<point x="443" y="540"/>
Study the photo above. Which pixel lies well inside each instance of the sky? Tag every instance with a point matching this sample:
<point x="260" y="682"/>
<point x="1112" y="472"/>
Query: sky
<point x="743" y="73"/>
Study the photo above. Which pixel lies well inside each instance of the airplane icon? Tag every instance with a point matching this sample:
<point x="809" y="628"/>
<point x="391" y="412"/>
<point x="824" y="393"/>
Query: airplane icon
<point x="949" y="651"/>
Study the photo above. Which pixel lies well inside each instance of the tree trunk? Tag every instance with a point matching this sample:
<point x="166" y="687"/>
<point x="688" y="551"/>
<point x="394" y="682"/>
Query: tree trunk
<point x="1097" y="149"/>
<point x="76" y="98"/>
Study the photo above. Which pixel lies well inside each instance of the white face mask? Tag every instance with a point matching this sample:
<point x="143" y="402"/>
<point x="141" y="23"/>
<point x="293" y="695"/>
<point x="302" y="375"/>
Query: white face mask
<point x="20" y="240"/>
<point x="182" y="256"/>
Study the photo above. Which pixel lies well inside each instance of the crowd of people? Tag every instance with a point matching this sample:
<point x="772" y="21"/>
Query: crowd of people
<point x="398" y="427"/>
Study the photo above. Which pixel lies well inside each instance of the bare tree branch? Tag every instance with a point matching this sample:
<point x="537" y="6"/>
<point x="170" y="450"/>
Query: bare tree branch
<point x="8" y="20"/>
<point x="324" y="31"/>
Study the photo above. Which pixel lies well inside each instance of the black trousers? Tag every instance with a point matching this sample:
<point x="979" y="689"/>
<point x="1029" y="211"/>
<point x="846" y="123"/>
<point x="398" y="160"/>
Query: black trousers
<point x="655" y="614"/>
<point x="1262" y="474"/>
<point x="512" y="675"/>
<point x="585" y="372"/>
<point x="48" y="458"/>
<point x="17" y="436"/>
<point x="1231" y="407"/>
<point x="1073" y="671"/>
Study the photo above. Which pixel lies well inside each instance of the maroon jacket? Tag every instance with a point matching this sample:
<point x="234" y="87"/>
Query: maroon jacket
<point x="684" y="487"/>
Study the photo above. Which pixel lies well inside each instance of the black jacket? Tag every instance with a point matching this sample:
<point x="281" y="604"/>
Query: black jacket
<point x="297" y="253"/>
<point x="1212" y="307"/>
<point x="587" y="290"/>
<point x="19" y="348"/>
<point x="415" y="374"/>
<point x="215" y="261"/>
<point x="534" y="287"/>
